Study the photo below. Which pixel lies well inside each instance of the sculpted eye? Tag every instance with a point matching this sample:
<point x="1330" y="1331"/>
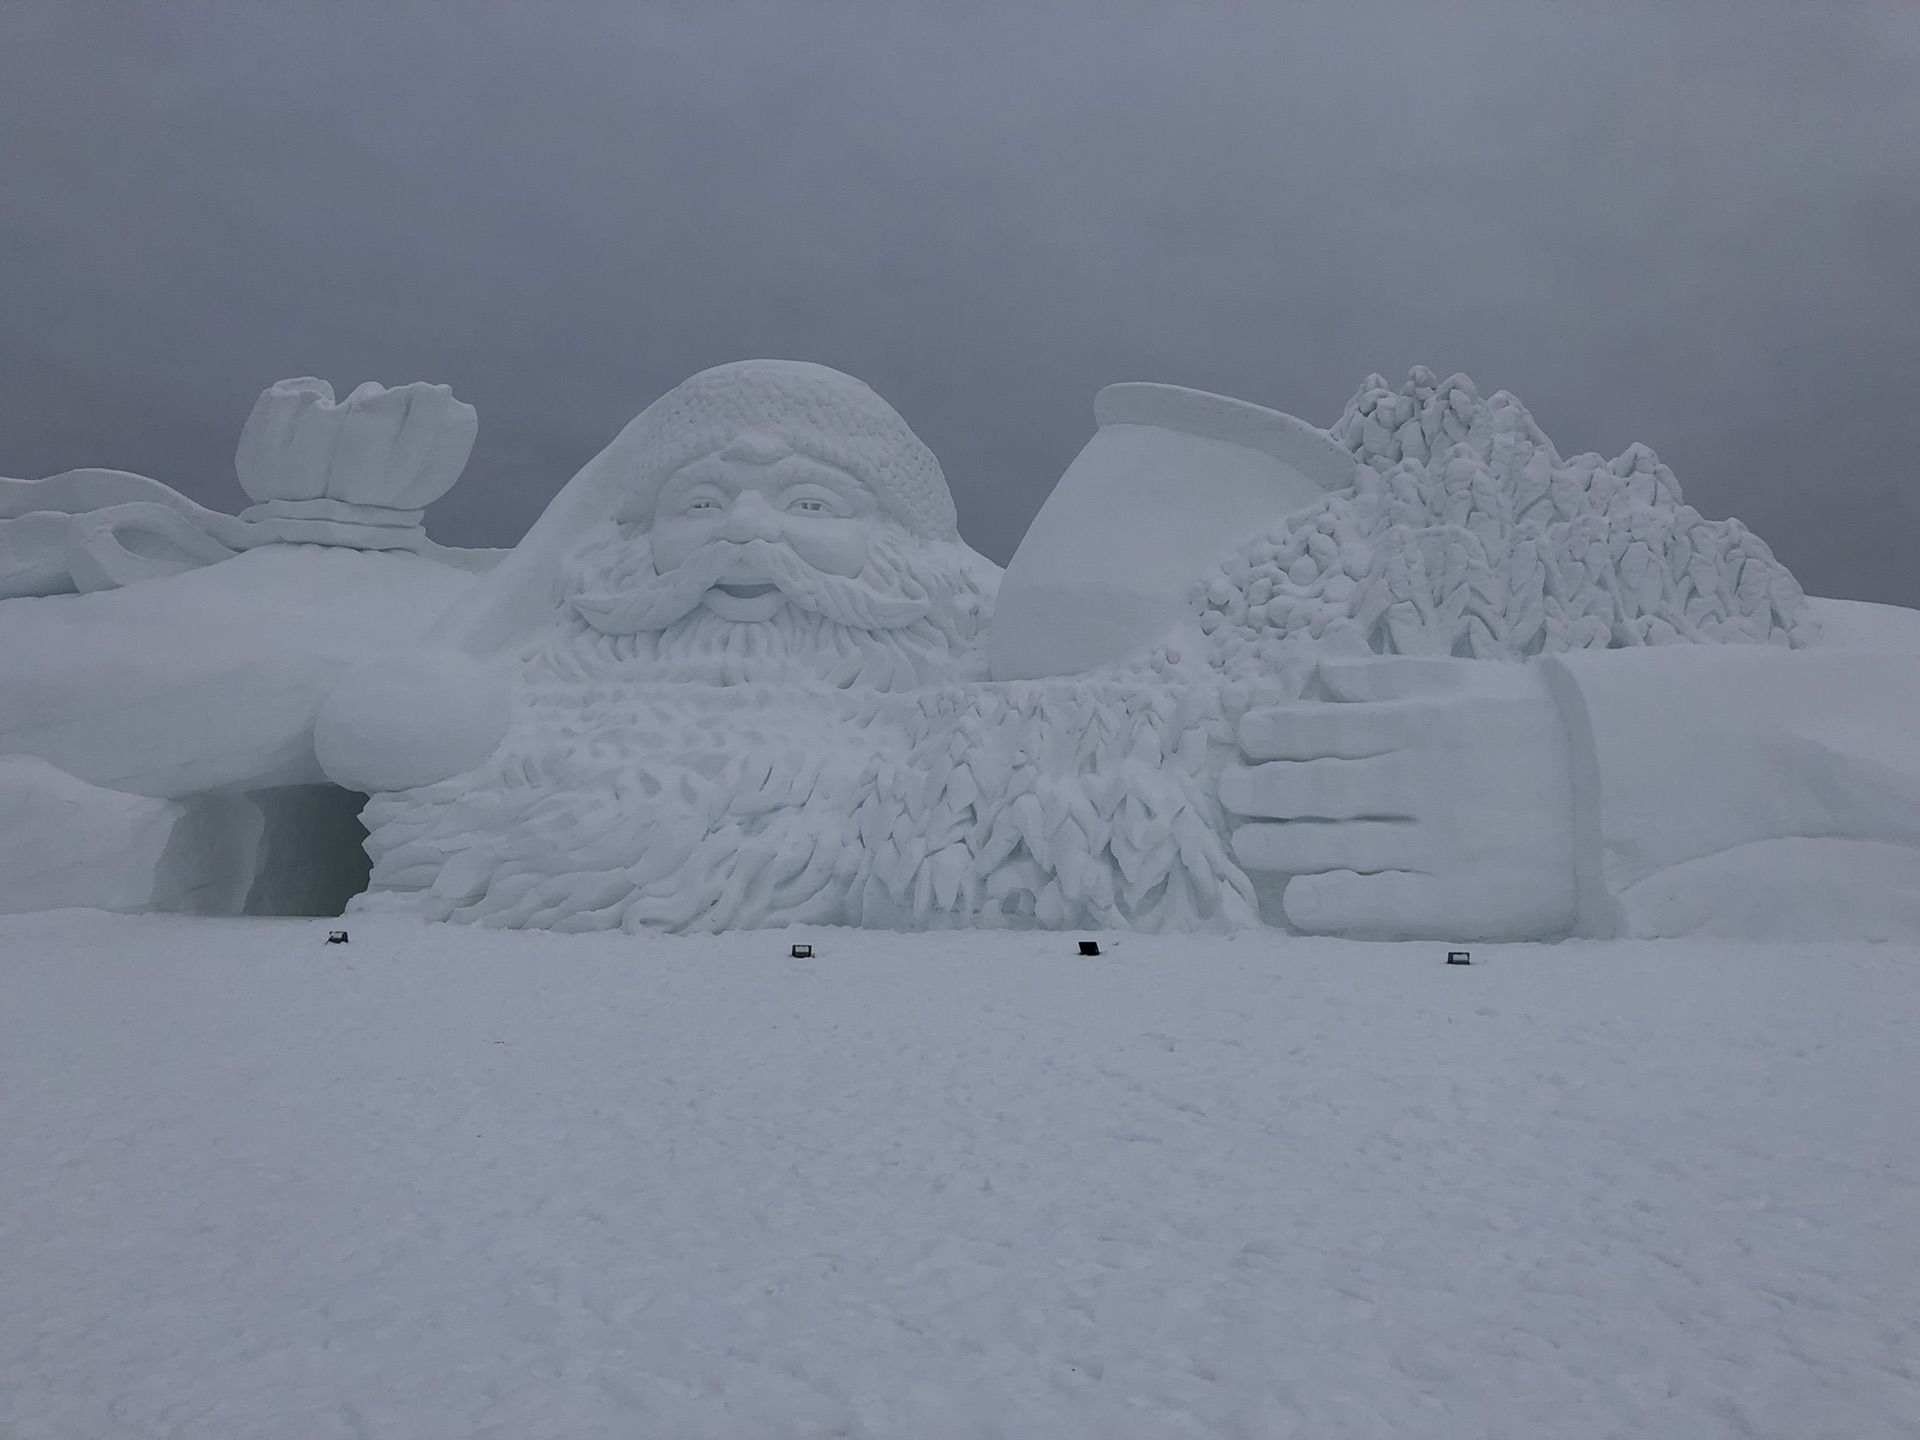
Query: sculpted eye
<point x="811" y="505"/>
<point x="700" y="505"/>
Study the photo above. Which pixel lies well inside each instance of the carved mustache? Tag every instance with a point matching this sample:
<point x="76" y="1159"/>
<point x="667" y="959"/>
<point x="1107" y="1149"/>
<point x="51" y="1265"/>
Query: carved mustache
<point x="658" y="602"/>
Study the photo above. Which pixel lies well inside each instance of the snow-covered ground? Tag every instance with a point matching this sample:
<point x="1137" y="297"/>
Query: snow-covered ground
<point x="452" y="1182"/>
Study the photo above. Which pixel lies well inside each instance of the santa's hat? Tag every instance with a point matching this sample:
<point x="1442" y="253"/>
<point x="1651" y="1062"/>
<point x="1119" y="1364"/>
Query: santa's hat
<point x="819" y="412"/>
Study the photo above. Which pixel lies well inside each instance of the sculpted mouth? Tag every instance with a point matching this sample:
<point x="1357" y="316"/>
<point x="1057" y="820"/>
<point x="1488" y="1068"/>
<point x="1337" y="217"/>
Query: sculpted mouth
<point x="745" y="600"/>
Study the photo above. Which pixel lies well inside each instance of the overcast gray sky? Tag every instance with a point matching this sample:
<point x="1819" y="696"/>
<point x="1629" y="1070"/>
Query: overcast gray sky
<point x="1694" y="225"/>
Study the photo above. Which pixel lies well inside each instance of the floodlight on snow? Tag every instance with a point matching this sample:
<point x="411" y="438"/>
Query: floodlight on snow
<point x="802" y="952"/>
<point x="1459" y="957"/>
<point x="336" y="937"/>
<point x="1089" y="947"/>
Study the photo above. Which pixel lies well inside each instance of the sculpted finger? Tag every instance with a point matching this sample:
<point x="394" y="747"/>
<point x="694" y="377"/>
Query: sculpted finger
<point x="1389" y="905"/>
<point x="1380" y="788"/>
<point x="1344" y="732"/>
<point x="1394" y="677"/>
<point x="1303" y="847"/>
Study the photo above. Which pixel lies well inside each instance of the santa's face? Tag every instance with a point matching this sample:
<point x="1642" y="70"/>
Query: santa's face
<point x="760" y="490"/>
<point x="760" y="562"/>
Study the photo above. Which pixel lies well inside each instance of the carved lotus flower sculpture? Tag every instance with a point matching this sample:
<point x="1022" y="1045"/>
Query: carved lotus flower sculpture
<point x="397" y="449"/>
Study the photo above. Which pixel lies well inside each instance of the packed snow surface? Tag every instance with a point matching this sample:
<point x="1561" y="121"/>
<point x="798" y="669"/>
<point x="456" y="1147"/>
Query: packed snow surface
<point x="448" y="1181"/>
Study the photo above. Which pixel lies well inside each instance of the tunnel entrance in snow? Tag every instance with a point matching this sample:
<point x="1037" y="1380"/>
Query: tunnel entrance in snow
<point x="312" y="857"/>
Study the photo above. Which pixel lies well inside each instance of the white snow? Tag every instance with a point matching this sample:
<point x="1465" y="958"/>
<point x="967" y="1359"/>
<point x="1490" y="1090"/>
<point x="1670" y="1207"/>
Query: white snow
<point x="1424" y="797"/>
<point x="795" y="405"/>
<point x="1796" y="888"/>
<point x="95" y="529"/>
<point x="208" y="679"/>
<point x="1861" y="625"/>
<point x="448" y="1181"/>
<point x="1465" y="533"/>
<point x="1699" y="750"/>
<point x="134" y="723"/>
<point x="738" y="675"/>
<point x="379" y="450"/>
<point x="65" y="842"/>
<point x="357" y="474"/>
<point x="409" y="720"/>
<point x="733" y="678"/>
<point x="1172" y="478"/>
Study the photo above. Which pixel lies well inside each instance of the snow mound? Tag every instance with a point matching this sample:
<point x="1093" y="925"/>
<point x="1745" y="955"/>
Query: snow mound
<point x="1467" y="534"/>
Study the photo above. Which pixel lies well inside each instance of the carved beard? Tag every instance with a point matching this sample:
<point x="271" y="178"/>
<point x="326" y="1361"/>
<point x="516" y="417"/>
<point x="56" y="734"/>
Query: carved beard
<point x="915" y="615"/>
<point x="684" y="807"/>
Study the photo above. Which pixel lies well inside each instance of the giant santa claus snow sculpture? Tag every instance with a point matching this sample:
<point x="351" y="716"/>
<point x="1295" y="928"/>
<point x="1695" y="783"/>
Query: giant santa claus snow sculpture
<point x="1417" y="675"/>
<point x="737" y="676"/>
<point x="1450" y="684"/>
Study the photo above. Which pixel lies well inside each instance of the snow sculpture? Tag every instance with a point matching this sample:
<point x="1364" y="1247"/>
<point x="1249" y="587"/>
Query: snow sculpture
<point x="1414" y="797"/>
<point x="1745" y="790"/>
<point x="744" y="655"/>
<point x="1416" y="676"/>
<point x="358" y="474"/>
<point x="157" y="742"/>
<point x="1173" y="478"/>
<point x="1465" y="533"/>
<point x="88" y="530"/>
<point x="671" y="708"/>
<point x="67" y="843"/>
<point x="1409" y="797"/>
<point x="808" y="536"/>
<point x="361" y="472"/>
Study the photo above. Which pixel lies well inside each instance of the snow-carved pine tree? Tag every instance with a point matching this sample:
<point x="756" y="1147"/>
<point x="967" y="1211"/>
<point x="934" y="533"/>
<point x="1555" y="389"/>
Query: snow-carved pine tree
<point x="1466" y="534"/>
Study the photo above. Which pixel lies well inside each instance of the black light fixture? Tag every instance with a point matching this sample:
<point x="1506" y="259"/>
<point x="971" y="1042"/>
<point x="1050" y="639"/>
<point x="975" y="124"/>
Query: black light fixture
<point x="802" y="952"/>
<point x="1089" y="947"/>
<point x="336" y="937"/>
<point x="1459" y="957"/>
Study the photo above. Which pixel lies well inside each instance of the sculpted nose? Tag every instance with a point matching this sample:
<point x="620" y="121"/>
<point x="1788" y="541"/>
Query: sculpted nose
<point x="751" y="518"/>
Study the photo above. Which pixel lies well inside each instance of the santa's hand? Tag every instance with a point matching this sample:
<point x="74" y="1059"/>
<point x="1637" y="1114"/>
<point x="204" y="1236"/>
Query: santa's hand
<point x="1431" y="798"/>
